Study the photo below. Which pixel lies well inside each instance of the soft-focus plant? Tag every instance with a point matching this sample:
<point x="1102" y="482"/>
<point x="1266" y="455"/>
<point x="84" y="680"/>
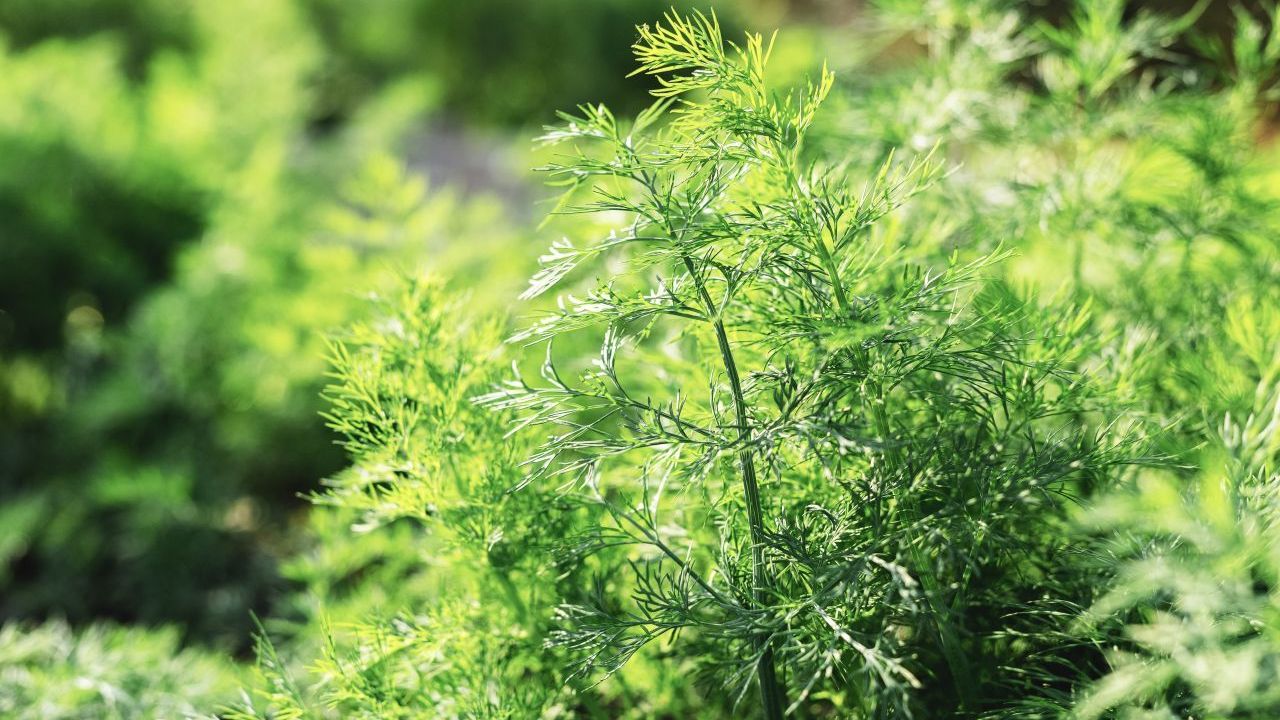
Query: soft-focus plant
<point x="1102" y="147"/>
<point x="451" y="47"/>
<point x="1195" y="594"/>
<point x="52" y="672"/>
<point x="112" y="171"/>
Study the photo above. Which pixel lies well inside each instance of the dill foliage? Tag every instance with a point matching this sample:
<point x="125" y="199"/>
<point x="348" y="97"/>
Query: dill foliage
<point x="944" y="390"/>
<point x="829" y="459"/>
<point x="1125" y="154"/>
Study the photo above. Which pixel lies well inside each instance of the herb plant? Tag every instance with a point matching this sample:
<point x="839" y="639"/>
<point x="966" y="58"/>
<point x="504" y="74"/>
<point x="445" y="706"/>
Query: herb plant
<point x="828" y="455"/>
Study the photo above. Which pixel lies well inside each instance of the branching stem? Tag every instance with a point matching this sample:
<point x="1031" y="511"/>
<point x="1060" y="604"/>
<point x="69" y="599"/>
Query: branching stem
<point x="833" y="276"/>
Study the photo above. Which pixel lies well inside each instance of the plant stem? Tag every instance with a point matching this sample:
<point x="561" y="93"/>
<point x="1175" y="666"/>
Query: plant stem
<point x="772" y="693"/>
<point x="513" y="595"/>
<point x="833" y="275"/>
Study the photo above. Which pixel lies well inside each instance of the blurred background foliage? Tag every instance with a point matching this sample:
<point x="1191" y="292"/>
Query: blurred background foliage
<point x="196" y="195"/>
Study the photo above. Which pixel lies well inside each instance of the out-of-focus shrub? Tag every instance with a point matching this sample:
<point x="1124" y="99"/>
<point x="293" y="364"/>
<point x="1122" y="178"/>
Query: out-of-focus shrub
<point x="157" y="436"/>
<point x="113" y="173"/>
<point x="201" y="427"/>
<point x="505" y="61"/>
<point x="108" y="176"/>
<point x="142" y="27"/>
<point x="107" y="672"/>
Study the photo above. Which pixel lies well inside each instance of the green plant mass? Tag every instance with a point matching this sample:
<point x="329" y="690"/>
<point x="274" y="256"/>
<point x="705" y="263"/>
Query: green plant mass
<point x="919" y="360"/>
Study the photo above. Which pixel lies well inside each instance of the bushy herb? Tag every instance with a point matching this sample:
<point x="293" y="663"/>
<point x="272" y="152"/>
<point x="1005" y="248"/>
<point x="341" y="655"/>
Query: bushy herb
<point x="833" y="452"/>
<point x="866" y="435"/>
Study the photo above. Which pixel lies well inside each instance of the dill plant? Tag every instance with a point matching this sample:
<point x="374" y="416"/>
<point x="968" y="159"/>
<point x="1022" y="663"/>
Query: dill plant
<point x="1130" y="148"/>
<point x="817" y="449"/>
<point x="830" y="459"/>
<point x="1192" y="616"/>
<point x="1190" y="620"/>
<point x="465" y="645"/>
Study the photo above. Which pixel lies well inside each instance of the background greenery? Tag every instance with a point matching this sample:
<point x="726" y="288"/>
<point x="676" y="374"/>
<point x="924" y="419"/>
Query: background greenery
<point x="197" y="197"/>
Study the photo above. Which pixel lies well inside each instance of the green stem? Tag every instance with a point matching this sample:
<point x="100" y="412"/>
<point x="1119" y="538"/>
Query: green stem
<point x="772" y="693"/>
<point x="833" y="275"/>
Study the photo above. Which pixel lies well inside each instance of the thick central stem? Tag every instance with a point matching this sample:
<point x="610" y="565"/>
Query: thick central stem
<point x="772" y="693"/>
